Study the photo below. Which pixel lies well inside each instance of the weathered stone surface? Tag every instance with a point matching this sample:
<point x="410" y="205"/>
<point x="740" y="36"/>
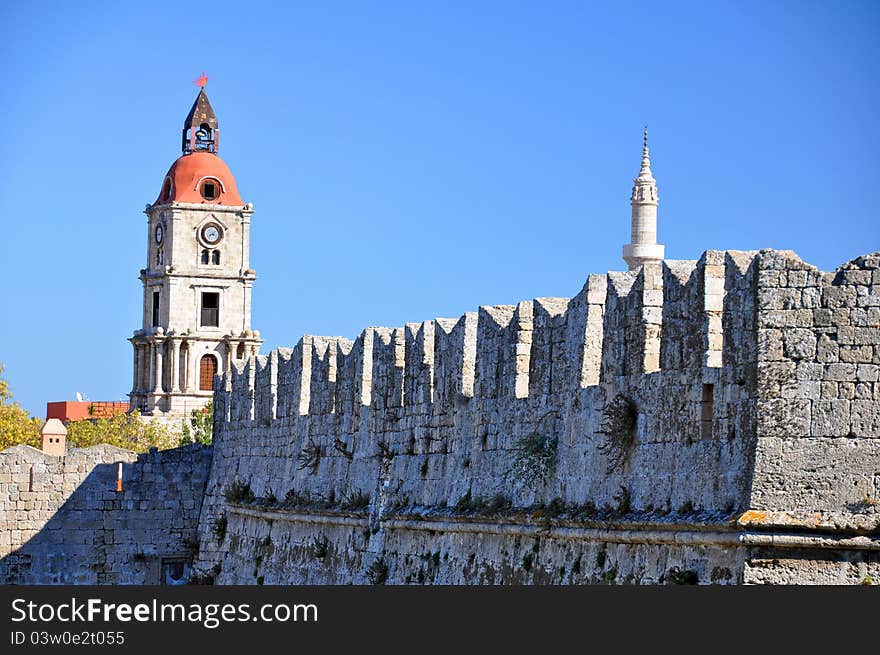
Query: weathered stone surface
<point x="700" y="434"/>
<point x="717" y="417"/>
<point x="90" y="533"/>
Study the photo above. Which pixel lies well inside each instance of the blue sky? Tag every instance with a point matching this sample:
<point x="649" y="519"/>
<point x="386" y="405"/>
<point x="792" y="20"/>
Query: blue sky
<point x="412" y="160"/>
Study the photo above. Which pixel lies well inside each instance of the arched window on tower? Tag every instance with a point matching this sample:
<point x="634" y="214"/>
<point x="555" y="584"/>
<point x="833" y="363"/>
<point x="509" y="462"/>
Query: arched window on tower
<point x="215" y="257"/>
<point x="204" y="138"/>
<point x="210" y="189"/>
<point x="166" y="189"/>
<point x="207" y="369"/>
<point x="240" y="352"/>
<point x="205" y="256"/>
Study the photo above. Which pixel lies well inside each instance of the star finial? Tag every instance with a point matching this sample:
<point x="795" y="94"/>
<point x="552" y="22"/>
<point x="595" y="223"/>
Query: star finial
<point x="202" y="80"/>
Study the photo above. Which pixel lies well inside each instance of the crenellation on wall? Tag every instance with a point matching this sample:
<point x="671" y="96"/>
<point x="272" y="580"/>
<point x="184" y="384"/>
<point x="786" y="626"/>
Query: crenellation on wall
<point x="550" y="356"/>
<point x="418" y="378"/>
<point x="621" y="327"/>
<point x="679" y="348"/>
<point x="455" y="354"/>
<point x="266" y="388"/>
<point x="501" y="362"/>
<point x="585" y="319"/>
<point x="729" y="403"/>
<point x="323" y="374"/>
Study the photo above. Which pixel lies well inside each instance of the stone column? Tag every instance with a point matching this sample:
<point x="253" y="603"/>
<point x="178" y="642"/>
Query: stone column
<point x="187" y="367"/>
<point x="175" y="364"/>
<point x="157" y="379"/>
<point x="150" y="369"/>
<point x="134" y="373"/>
<point x="144" y="373"/>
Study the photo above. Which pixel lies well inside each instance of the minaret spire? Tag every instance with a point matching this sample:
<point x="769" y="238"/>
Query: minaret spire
<point x="643" y="246"/>
<point x="645" y="172"/>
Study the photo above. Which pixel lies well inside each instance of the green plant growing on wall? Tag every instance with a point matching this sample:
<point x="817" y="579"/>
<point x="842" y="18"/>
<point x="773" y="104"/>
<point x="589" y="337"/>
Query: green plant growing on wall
<point x="534" y="456"/>
<point x="310" y="457"/>
<point x="534" y="460"/>
<point x="619" y="421"/>
<point x="342" y="448"/>
<point x="270" y="498"/>
<point x="623" y="502"/>
<point x="239" y="492"/>
<point x="377" y="572"/>
<point x="200" y="426"/>
<point x="319" y="547"/>
<point x="218" y="527"/>
<point x="680" y="576"/>
<point x="358" y="500"/>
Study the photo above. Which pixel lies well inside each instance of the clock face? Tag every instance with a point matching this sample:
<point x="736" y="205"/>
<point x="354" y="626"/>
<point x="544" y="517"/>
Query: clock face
<point x="159" y="233"/>
<point x="211" y="233"/>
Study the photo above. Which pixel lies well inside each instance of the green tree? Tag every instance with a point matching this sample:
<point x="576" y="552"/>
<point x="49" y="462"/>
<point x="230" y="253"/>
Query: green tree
<point x="16" y="425"/>
<point x="129" y="431"/>
<point x="200" y="427"/>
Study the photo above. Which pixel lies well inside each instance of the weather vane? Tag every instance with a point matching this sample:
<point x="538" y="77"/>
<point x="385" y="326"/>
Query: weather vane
<point x="201" y="81"/>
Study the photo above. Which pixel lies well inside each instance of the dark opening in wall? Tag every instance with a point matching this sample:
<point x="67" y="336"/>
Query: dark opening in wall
<point x="155" y="308"/>
<point x="210" y="309"/>
<point x="707" y="411"/>
<point x="209" y="190"/>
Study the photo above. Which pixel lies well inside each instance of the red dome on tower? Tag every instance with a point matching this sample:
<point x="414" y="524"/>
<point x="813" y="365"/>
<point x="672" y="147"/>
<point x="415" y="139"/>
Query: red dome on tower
<point x="199" y="177"/>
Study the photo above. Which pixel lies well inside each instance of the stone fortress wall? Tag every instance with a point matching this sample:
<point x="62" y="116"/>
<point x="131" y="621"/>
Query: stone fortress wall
<point x="711" y="421"/>
<point x="62" y="520"/>
<point x="694" y="421"/>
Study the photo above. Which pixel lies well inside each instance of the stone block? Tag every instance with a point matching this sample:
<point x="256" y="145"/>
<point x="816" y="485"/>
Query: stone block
<point x="831" y="418"/>
<point x="800" y="343"/>
<point x="856" y="354"/>
<point x="770" y="344"/>
<point x="781" y="318"/>
<point x="858" y="335"/>
<point x="811" y="297"/>
<point x="827" y="350"/>
<point x="784" y="417"/>
<point x="840" y="372"/>
<point x="828" y="390"/>
<point x="800" y="389"/>
<point x="865" y="418"/>
<point x="868" y="372"/>
<point x="837" y="296"/>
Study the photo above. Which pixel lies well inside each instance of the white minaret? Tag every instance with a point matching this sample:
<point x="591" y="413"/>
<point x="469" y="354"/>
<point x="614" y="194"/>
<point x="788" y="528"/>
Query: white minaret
<point x="643" y="246"/>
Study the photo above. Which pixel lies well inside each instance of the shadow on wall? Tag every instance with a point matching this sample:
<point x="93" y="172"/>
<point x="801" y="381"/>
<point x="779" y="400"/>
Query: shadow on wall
<point x="62" y="520"/>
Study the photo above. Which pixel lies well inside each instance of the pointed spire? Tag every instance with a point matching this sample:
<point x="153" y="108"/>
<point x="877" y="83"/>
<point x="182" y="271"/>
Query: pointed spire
<point x="201" y="112"/>
<point x="200" y="128"/>
<point x="645" y="172"/>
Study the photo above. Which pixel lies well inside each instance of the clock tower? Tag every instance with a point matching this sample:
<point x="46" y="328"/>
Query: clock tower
<point x="198" y="281"/>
